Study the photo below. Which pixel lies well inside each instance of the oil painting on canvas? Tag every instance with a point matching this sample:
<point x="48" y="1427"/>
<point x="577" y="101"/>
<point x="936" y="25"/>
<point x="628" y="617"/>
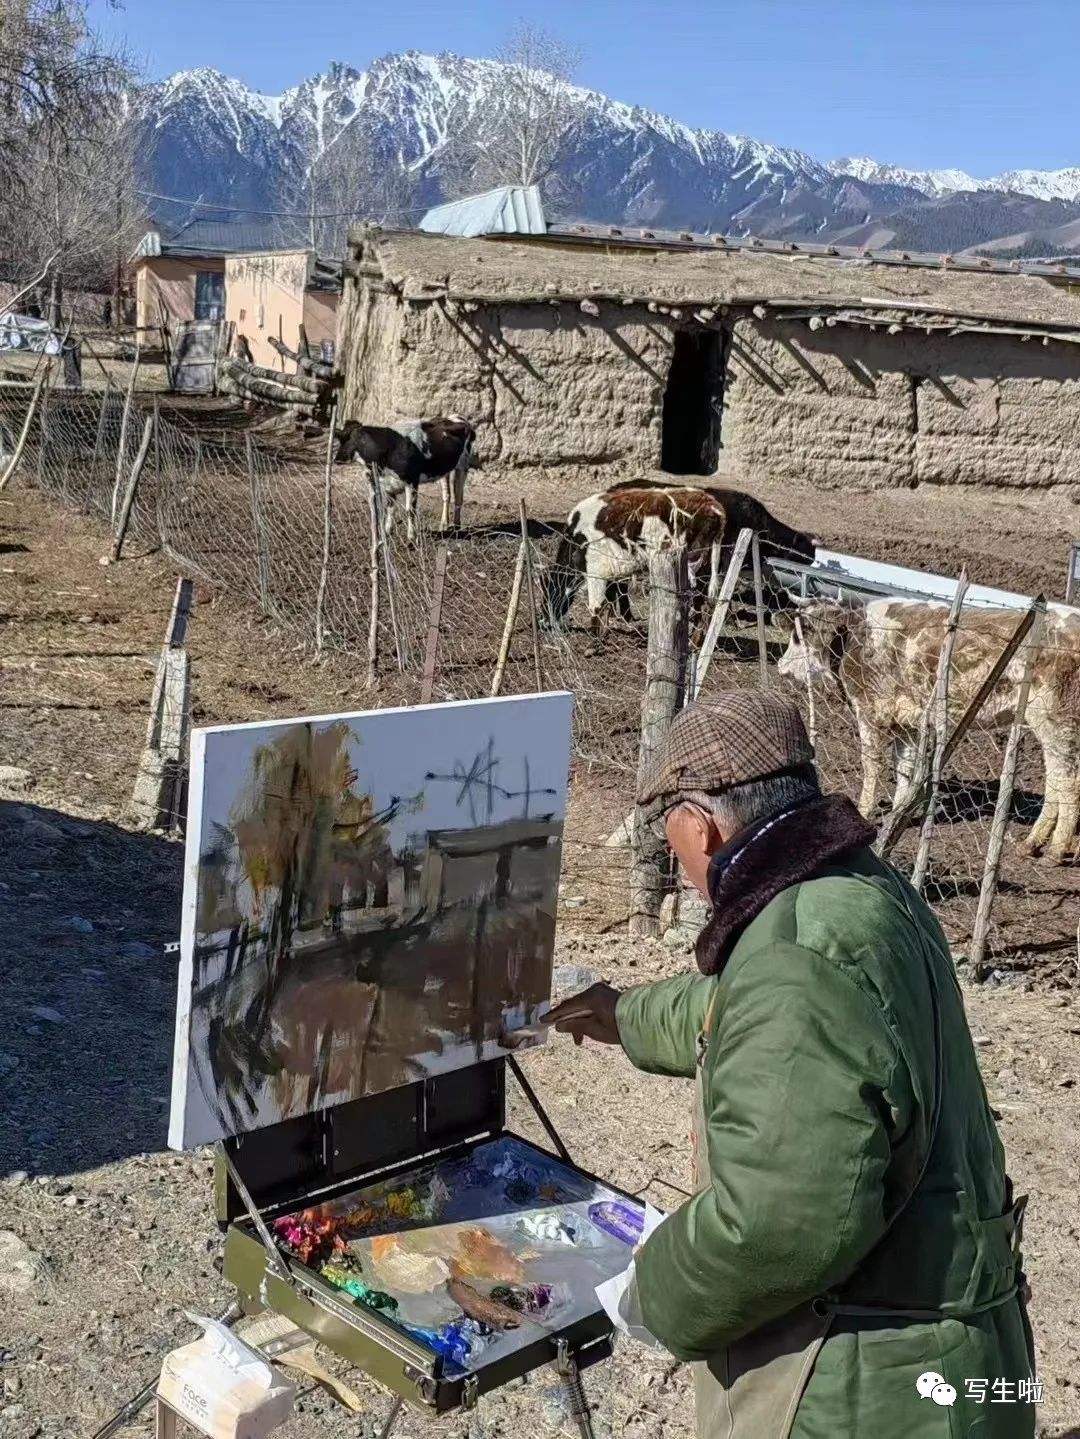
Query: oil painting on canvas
<point x="368" y="899"/>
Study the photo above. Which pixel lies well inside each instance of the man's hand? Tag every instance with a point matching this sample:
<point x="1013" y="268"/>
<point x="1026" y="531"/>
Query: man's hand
<point x="588" y="1015"/>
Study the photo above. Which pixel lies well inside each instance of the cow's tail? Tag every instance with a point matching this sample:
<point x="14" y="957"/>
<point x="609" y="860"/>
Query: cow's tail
<point x="565" y="576"/>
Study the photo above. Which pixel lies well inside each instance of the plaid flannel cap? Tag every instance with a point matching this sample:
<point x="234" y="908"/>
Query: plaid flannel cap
<point x="727" y="740"/>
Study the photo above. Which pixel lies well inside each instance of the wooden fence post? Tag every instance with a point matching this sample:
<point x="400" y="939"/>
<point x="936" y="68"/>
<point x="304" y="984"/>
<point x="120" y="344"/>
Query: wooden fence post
<point x="262" y="556"/>
<point x="388" y="569"/>
<point x="375" y="524"/>
<point x="43" y="430"/>
<point x="431" y="654"/>
<point x="324" y="569"/>
<point x="939" y="704"/>
<point x="132" y="485"/>
<point x="511" y="619"/>
<point x="99" y="435"/>
<point x="160" y="784"/>
<point x="1003" y="805"/>
<point x="20" y="444"/>
<point x="1073" y="575"/>
<point x="537" y="666"/>
<point x="723" y="604"/>
<point x="759" y="608"/>
<point x="664" y="680"/>
<point x="121" y="449"/>
<point x="897" y="821"/>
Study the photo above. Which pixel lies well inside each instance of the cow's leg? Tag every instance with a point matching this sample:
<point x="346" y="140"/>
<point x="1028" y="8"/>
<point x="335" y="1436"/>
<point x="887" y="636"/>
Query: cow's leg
<point x="411" y="492"/>
<point x="596" y="591"/>
<point x="388" y="501"/>
<point x="459" y="491"/>
<point x="617" y="600"/>
<point x="444" y="519"/>
<point x="714" y="571"/>
<point x="904" y="752"/>
<point x="874" y="744"/>
<point x="1046" y="823"/>
<point x="1063" y="840"/>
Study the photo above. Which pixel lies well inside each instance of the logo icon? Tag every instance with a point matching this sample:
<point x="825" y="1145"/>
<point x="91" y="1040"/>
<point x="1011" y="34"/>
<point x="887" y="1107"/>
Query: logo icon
<point x="933" y="1386"/>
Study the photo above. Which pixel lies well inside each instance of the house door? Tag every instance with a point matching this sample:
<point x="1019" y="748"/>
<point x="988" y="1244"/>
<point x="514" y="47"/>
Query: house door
<point x="209" y="295"/>
<point x="193" y="357"/>
<point x="693" y="403"/>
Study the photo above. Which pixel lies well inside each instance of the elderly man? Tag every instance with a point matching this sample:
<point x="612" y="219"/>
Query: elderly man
<point x="849" y="1266"/>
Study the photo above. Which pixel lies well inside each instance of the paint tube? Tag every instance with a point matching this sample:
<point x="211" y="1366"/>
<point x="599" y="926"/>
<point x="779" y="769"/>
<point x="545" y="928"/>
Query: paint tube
<point x="555" y="1226"/>
<point x="618" y="1220"/>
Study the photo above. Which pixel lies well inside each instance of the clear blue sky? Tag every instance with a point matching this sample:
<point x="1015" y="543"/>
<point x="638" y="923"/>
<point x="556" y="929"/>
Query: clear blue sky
<point x="986" y="85"/>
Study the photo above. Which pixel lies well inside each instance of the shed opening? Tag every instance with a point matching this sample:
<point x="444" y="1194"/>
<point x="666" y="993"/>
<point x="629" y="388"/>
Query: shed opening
<point x="693" y="404"/>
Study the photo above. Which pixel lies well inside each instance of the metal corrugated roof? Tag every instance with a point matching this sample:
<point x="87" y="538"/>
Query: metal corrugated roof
<point x="222" y="237"/>
<point x="509" y="210"/>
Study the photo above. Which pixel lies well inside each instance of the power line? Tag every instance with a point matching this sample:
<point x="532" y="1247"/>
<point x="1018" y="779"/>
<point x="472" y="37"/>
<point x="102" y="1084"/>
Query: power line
<point x="274" y="214"/>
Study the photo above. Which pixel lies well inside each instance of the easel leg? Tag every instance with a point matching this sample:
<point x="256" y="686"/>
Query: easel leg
<point x="566" y="1366"/>
<point x="164" y="1422"/>
<point x="391" y="1418"/>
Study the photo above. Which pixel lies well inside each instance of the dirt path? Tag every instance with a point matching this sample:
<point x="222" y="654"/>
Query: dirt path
<point x="124" y="1228"/>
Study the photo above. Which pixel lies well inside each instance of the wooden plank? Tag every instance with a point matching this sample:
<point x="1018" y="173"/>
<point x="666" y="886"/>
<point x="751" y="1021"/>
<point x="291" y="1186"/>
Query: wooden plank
<point x="324" y="568"/>
<point x="121" y="447"/>
<point x="159" y="796"/>
<point x="20" y="444"/>
<point x="537" y="666"/>
<point x="723" y="604"/>
<point x="374" y="523"/>
<point x="1073" y="575"/>
<point x="759" y="608"/>
<point x="181" y="613"/>
<point x="665" y="675"/>
<point x="897" y="821"/>
<point x="511" y="619"/>
<point x="1003" y="805"/>
<point x="939" y="704"/>
<point x="132" y="486"/>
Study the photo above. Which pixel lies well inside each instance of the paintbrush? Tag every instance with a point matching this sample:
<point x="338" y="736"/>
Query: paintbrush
<point x="511" y="1038"/>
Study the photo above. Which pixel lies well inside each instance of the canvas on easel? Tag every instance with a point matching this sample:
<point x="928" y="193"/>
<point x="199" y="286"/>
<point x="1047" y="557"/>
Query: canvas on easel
<point x="369" y="900"/>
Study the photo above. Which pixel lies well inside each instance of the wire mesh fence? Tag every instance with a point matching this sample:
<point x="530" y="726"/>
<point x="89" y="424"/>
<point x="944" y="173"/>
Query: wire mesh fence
<point x="452" y="616"/>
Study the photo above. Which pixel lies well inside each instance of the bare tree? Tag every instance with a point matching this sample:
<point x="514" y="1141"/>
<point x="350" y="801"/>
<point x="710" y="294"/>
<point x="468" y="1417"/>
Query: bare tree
<point x="349" y="181"/>
<point x="66" y="147"/>
<point x="516" y="138"/>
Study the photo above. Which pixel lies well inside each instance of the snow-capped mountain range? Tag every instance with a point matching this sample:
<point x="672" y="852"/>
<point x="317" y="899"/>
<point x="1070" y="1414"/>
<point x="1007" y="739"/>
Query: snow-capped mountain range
<point x="212" y="139"/>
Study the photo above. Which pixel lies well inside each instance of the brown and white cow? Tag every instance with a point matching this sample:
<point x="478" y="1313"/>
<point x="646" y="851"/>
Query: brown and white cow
<point x="884" y="657"/>
<point x="610" y="535"/>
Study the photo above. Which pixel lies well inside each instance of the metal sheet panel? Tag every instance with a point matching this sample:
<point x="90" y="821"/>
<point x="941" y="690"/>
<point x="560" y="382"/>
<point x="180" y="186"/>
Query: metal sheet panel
<point x="509" y="210"/>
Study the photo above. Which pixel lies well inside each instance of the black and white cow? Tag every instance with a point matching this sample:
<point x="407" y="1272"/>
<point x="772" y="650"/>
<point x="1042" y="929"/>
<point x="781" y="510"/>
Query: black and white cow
<point x="412" y="453"/>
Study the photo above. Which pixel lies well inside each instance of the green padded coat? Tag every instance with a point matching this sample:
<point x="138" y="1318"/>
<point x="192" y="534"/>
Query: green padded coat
<point x="839" y="1193"/>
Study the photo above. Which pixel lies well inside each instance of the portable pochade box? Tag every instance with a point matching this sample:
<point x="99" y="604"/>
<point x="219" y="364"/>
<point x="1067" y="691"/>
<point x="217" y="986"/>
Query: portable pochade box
<point x="369" y="916"/>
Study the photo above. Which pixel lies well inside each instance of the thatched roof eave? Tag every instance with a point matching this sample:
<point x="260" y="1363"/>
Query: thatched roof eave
<point x="425" y="269"/>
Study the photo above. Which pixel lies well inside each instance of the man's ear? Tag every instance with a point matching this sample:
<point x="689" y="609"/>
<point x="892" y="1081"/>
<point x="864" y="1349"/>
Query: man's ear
<point x="703" y="828"/>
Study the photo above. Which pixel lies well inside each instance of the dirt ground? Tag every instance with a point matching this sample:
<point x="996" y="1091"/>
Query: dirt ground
<point x="124" y="1229"/>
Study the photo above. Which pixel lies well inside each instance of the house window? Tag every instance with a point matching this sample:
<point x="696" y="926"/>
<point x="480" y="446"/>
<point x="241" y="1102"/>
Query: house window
<point x="209" y="295"/>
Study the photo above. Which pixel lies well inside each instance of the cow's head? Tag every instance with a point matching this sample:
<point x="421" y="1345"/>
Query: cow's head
<point x="818" y="631"/>
<point x="348" y="438"/>
<point x="458" y="425"/>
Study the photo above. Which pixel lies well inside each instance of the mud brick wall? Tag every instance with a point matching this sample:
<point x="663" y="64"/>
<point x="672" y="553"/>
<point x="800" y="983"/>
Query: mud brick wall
<point x="852" y="407"/>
